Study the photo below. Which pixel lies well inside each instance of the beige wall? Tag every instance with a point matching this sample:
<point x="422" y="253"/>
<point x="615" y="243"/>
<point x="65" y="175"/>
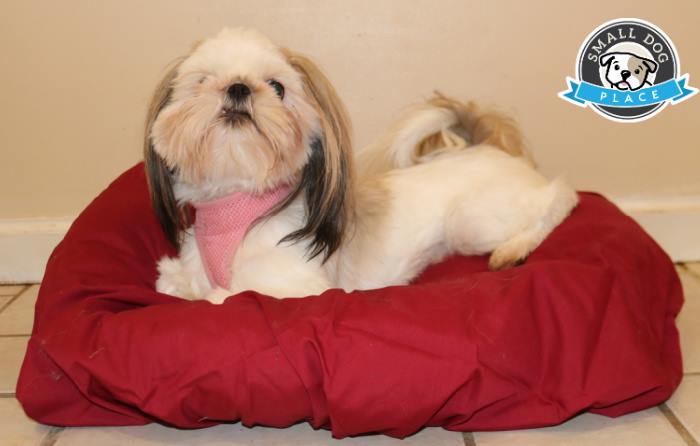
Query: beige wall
<point x="76" y="75"/>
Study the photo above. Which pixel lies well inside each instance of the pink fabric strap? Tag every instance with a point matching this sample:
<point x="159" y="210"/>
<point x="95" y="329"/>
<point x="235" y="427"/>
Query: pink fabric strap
<point x="221" y="224"/>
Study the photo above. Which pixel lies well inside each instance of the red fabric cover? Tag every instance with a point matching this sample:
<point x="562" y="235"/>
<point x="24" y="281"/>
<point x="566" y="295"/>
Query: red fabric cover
<point x="586" y="324"/>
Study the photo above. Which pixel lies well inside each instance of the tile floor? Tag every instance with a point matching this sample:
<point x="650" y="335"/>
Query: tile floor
<point x="676" y="423"/>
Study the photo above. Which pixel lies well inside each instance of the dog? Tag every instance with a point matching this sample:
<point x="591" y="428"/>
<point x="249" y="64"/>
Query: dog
<point x="627" y="71"/>
<point x="256" y="140"/>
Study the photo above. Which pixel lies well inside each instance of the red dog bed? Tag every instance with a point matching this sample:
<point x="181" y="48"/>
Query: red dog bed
<point x="587" y="323"/>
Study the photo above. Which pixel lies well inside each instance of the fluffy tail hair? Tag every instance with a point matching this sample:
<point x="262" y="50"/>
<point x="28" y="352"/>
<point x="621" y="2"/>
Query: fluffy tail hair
<point x="439" y="125"/>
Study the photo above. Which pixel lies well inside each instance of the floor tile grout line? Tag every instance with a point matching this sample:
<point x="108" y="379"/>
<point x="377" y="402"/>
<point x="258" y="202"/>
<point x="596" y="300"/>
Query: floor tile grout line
<point x="14" y="298"/>
<point x="22" y="288"/>
<point x="469" y="439"/>
<point x="690" y="272"/>
<point x="678" y="426"/>
<point x="51" y="436"/>
<point x="10" y="302"/>
<point x="7" y="395"/>
<point x="25" y="287"/>
<point x="12" y="335"/>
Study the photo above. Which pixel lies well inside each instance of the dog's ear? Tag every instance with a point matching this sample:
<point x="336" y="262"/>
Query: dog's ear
<point x="326" y="180"/>
<point x="606" y="59"/>
<point x="172" y="217"/>
<point x="651" y="65"/>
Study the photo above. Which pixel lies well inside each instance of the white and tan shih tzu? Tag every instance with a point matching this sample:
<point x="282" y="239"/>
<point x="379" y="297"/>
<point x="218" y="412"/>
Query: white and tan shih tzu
<point x="254" y="138"/>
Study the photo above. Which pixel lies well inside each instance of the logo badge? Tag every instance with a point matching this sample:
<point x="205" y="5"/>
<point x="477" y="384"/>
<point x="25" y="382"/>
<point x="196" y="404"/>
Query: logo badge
<point x="627" y="70"/>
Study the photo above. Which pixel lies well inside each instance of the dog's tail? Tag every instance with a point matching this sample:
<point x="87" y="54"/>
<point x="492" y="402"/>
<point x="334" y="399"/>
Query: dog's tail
<point x="437" y="126"/>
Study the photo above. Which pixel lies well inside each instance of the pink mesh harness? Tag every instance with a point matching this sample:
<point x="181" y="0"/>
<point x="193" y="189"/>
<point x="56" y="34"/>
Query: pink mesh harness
<point x="221" y="224"/>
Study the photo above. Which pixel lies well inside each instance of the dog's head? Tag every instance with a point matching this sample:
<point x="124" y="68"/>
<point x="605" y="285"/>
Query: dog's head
<point x="627" y="71"/>
<point x="241" y="114"/>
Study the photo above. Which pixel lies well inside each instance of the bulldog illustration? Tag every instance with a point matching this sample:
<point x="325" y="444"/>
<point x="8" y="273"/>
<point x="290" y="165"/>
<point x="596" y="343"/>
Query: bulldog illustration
<point x="627" y="71"/>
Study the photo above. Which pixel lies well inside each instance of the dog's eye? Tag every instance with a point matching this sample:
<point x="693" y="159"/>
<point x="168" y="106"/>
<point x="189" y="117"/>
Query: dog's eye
<point x="636" y="71"/>
<point x="279" y="88"/>
<point x="617" y="67"/>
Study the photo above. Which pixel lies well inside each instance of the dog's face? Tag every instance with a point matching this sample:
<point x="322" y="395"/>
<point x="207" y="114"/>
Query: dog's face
<point x="239" y="113"/>
<point x="238" y="117"/>
<point x="627" y="71"/>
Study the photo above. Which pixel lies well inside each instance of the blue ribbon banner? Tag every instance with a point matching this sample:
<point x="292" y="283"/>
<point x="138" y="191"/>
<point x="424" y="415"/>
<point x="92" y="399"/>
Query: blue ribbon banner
<point x="581" y="93"/>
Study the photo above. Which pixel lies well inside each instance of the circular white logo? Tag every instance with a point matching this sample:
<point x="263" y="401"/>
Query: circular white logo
<point x="627" y="70"/>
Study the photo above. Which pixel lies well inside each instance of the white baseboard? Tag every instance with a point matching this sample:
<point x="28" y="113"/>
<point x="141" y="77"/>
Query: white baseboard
<point x="25" y="244"/>
<point x="674" y="222"/>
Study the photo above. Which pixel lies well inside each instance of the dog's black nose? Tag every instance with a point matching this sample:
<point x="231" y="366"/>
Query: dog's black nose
<point x="238" y="92"/>
<point x="625" y="74"/>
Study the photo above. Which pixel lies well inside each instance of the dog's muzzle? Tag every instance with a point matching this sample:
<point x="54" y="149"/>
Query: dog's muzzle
<point x="239" y="95"/>
<point x="236" y="115"/>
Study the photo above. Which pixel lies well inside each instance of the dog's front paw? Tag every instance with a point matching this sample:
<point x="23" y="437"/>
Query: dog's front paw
<point x="218" y="295"/>
<point x="172" y="279"/>
<point x="169" y="276"/>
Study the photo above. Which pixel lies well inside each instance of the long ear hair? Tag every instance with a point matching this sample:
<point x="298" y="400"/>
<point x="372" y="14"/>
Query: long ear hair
<point x="327" y="178"/>
<point x="173" y="218"/>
